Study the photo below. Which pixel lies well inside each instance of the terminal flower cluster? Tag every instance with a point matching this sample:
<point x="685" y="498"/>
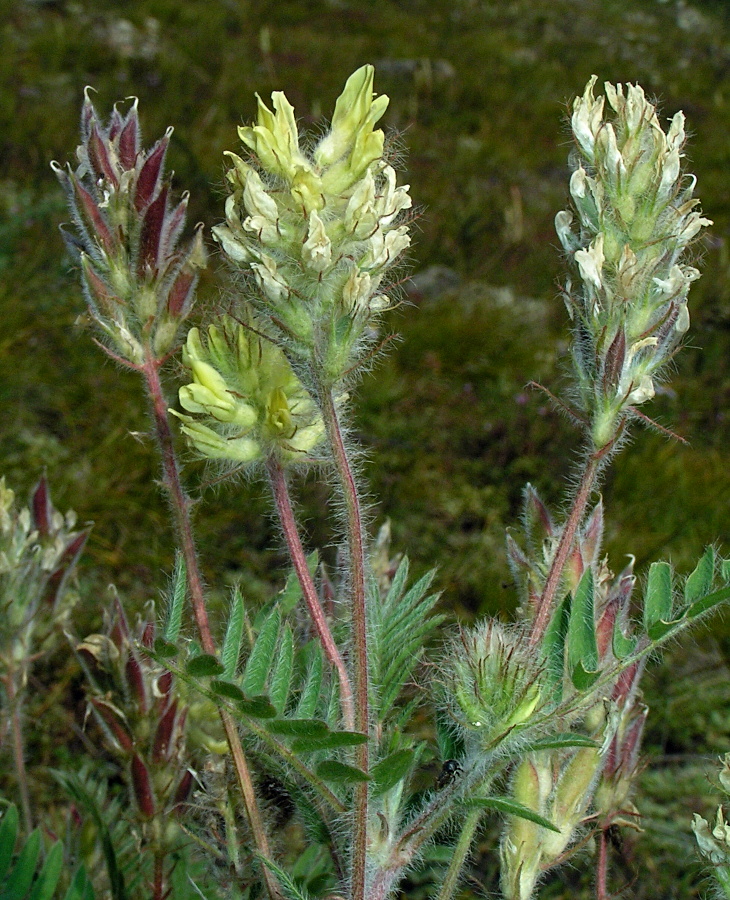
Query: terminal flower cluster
<point x="318" y="232"/>
<point x="635" y="219"/>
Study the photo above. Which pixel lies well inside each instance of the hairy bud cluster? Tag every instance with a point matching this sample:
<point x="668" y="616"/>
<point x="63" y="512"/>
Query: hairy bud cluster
<point x="635" y="218"/>
<point x="714" y="840"/>
<point x="38" y="550"/>
<point x="139" y="283"/>
<point x="247" y="402"/>
<point x="318" y="231"/>
<point x="493" y="684"/>
<point x="136" y="703"/>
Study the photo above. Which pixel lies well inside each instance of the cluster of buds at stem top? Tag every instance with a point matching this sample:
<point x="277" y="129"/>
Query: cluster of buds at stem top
<point x="317" y="231"/>
<point x="248" y="403"/>
<point x="136" y="703"/>
<point x="38" y="550"/>
<point x="139" y="282"/>
<point x="714" y="840"/>
<point x="492" y="681"/>
<point x="635" y="218"/>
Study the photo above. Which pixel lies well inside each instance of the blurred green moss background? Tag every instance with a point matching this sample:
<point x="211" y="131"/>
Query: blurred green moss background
<point x="451" y="432"/>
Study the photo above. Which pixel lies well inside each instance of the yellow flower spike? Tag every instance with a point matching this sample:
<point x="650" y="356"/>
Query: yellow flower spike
<point x="275" y="139"/>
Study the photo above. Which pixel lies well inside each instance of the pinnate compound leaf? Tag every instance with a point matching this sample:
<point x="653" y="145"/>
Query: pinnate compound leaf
<point x="282" y="671"/>
<point x="391" y="770"/>
<point x="234" y="634"/>
<point x="334" y="770"/>
<point x="582" y="647"/>
<point x="203" y="665"/>
<point x="699" y="583"/>
<point x="262" y="655"/>
<point x="512" y="808"/>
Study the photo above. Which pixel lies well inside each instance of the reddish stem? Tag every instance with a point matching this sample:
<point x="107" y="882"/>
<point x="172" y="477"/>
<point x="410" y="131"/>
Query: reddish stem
<point x="181" y="509"/>
<point x="15" y="699"/>
<point x="602" y="866"/>
<point x="296" y="551"/>
<point x="565" y="545"/>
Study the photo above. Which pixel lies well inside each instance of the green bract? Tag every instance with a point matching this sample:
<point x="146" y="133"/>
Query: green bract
<point x="247" y="402"/>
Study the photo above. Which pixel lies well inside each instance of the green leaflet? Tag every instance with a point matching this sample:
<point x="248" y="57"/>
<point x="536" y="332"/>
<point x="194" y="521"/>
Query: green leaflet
<point x="559" y="741"/>
<point x="330" y="741"/>
<point x="289" y="888"/>
<point x="582" y="649"/>
<point x="262" y="654"/>
<point x="257" y="707"/>
<point x="334" y="770"/>
<point x="8" y="836"/>
<point x="512" y="808"/>
<point x="227" y="689"/>
<point x="203" y="665"/>
<point x="621" y="645"/>
<point x="658" y="600"/>
<point x="299" y="727"/>
<point x="45" y="887"/>
<point x="309" y="696"/>
<point x="292" y="592"/>
<point x="391" y="770"/>
<point x="234" y="634"/>
<point x="80" y="888"/>
<point x="704" y="604"/>
<point x="699" y="583"/>
<point x="282" y="671"/>
<point x="553" y="647"/>
<point x="19" y="880"/>
<point x="176" y="602"/>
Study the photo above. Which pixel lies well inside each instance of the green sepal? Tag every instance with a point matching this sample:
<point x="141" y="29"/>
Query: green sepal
<point x="257" y="707"/>
<point x="582" y="647"/>
<point x="262" y="654"/>
<point x="203" y="666"/>
<point x="306" y="728"/>
<point x="45" y="886"/>
<point x="699" y="582"/>
<point x="334" y="770"/>
<point x="282" y="671"/>
<point x="227" y="689"/>
<point x="234" y="635"/>
<point x="330" y="741"/>
<point x="559" y="741"/>
<point x="391" y="770"/>
<point x="512" y="808"/>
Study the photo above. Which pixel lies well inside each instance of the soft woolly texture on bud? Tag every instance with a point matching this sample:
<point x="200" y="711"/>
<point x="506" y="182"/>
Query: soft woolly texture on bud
<point x="492" y="683"/>
<point x="318" y="231"/>
<point x="246" y="400"/>
<point x="139" y="282"/>
<point x="635" y="218"/>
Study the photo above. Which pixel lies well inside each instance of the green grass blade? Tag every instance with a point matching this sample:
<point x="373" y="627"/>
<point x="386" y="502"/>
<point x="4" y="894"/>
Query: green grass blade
<point x="8" y="836"/>
<point x="21" y="876"/>
<point x="45" y="886"/>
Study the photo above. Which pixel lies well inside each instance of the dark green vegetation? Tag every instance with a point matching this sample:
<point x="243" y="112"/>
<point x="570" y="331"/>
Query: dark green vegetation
<point x="478" y="98"/>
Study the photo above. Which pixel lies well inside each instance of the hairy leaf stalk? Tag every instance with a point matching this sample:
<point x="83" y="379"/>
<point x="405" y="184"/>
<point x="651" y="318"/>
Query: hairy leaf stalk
<point x="460" y="854"/>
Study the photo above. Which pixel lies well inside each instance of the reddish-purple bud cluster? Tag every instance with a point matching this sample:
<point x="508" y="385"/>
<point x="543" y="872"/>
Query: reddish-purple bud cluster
<point x="139" y="283"/>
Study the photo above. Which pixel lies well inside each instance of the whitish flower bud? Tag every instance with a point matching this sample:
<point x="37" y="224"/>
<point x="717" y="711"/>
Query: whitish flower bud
<point x="263" y="218"/>
<point x="317" y="249"/>
<point x="590" y="262"/>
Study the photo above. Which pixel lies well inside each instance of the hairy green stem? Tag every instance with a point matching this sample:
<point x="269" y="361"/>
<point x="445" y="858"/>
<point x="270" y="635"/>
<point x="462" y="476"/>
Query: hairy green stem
<point x="565" y="545"/>
<point x="15" y="700"/>
<point x="356" y="548"/>
<point x="181" y="509"/>
<point x="288" y="521"/>
<point x="461" y="851"/>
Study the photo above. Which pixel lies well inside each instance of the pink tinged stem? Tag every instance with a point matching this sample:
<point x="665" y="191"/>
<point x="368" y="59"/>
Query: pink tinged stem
<point x="546" y="602"/>
<point x="291" y="533"/>
<point x="602" y="866"/>
<point x="16" y="720"/>
<point x="359" y="628"/>
<point x="181" y="509"/>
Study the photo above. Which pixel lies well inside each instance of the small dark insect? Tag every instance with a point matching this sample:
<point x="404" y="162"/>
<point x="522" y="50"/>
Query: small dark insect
<point x="450" y="769"/>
